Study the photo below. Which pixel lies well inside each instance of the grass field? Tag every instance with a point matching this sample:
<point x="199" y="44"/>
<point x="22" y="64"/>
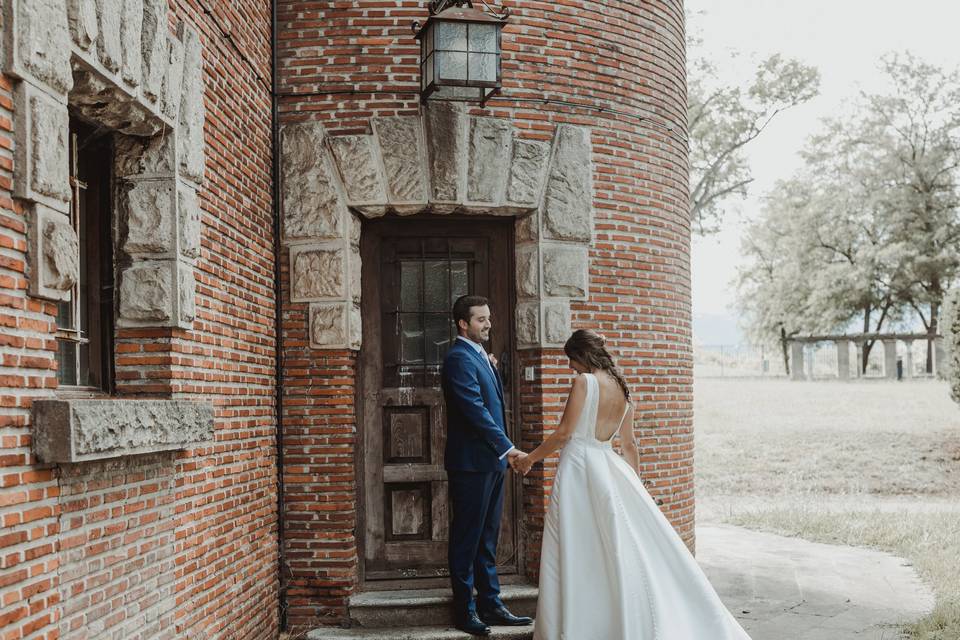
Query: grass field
<point x="863" y="463"/>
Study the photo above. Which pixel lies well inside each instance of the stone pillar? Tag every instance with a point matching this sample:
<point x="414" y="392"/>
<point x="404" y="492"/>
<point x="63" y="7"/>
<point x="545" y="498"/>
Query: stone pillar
<point x="796" y="361"/>
<point x="859" y="367"/>
<point x="908" y="359"/>
<point x="843" y="359"/>
<point x="939" y="357"/>
<point x="890" y="359"/>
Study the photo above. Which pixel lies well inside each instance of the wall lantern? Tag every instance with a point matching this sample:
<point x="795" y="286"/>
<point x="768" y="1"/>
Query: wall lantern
<point x="459" y="52"/>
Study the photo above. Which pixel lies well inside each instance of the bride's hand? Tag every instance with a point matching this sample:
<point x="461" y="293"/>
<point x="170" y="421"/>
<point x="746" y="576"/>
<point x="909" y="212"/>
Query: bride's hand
<point x="523" y="464"/>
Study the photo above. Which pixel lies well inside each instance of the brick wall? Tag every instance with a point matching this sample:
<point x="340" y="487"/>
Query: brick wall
<point x="167" y="545"/>
<point x="616" y="67"/>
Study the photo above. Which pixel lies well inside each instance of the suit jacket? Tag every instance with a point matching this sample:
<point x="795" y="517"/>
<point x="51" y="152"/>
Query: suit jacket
<point x="476" y="420"/>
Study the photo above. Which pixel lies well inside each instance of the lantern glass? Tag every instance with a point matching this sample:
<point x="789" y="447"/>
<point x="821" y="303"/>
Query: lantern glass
<point x="483" y="38"/>
<point x="451" y="66"/>
<point x="451" y="36"/>
<point x="483" y="67"/>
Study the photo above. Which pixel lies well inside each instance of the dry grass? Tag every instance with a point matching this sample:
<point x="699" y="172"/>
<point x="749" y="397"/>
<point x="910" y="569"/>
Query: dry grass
<point x="869" y="464"/>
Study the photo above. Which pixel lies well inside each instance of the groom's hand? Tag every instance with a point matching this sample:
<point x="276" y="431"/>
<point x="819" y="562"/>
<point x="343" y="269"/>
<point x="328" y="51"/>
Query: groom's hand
<point x="493" y="360"/>
<point x="515" y="458"/>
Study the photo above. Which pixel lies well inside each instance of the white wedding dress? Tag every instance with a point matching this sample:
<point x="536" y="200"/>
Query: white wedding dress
<point x="612" y="567"/>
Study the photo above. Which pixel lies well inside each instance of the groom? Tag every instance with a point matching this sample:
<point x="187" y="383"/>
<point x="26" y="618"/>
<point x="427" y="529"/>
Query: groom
<point x="475" y="459"/>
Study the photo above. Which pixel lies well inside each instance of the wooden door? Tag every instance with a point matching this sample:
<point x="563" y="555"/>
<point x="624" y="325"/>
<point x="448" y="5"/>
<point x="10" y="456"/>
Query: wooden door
<point x="413" y="270"/>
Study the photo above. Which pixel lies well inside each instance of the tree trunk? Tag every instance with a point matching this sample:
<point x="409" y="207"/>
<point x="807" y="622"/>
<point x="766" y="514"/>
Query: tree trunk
<point x="934" y="312"/>
<point x="866" y="349"/>
<point x="867" y="346"/>
<point x="783" y="349"/>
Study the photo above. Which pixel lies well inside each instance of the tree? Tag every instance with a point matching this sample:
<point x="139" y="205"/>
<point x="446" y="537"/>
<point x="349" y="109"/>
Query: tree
<point x="723" y="119"/>
<point x="915" y="131"/>
<point x="873" y="221"/>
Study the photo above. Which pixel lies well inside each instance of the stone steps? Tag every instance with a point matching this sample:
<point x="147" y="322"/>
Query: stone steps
<point x="417" y="633"/>
<point x="422" y="614"/>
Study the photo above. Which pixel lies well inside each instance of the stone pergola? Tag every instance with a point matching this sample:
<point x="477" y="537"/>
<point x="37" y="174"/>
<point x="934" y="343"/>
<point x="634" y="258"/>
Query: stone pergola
<point x="798" y="370"/>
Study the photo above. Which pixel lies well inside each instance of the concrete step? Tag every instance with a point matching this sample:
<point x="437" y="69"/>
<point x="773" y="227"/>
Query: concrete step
<point x="427" y="607"/>
<point x="417" y="633"/>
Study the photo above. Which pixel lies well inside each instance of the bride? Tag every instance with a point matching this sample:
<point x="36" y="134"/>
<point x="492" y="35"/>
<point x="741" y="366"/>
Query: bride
<point x="611" y="566"/>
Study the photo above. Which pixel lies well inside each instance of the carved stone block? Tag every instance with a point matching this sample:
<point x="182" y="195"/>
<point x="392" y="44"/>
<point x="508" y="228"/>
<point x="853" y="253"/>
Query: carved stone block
<point x="354" y="268"/>
<point x="318" y="272"/>
<point x="329" y="325"/>
<point x="188" y="221"/>
<point x="153" y="157"/>
<point x="82" y="20"/>
<point x="311" y="204"/>
<point x="157" y="293"/>
<point x="109" y="42"/>
<point x="148" y="294"/>
<point x="153" y="47"/>
<point x="54" y="253"/>
<point x="192" y="110"/>
<point x="173" y="82"/>
<point x="527" y="228"/>
<point x="490" y="141"/>
<point x="359" y="168"/>
<point x="528" y="271"/>
<point x="149" y="212"/>
<point x="71" y="431"/>
<point x="41" y="164"/>
<point x="402" y="149"/>
<point x="528" y="324"/>
<point x="446" y="126"/>
<point x="528" y="164"/>
<point x="131" y="31"/>
<point x="356" y="327"/>
<point x="568" y="199"/>
<point x="186" y="293"/>
<point x="565" y="270"/>
<point x="37" y="43"/>
<point x="556" y="322"/>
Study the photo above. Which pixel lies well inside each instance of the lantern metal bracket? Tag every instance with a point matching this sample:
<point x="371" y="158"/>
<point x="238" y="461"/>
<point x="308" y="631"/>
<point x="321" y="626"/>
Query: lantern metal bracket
<point x="438" y="6"/>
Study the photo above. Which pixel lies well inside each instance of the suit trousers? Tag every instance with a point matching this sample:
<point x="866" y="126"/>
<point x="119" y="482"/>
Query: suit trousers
<point x="476" y="499"/>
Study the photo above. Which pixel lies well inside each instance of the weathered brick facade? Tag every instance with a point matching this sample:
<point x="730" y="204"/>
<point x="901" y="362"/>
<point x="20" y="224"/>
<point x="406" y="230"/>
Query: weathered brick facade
<point x="616" y="69"/>
<point x="172" y="544"/>
<point x="186" y="543"/>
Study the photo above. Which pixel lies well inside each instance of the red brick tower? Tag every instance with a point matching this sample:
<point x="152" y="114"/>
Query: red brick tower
<point x="564" y="199"/>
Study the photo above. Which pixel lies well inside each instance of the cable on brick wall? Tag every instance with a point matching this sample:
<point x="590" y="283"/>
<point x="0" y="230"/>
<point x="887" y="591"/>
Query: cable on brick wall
<point x="226" y="35"/>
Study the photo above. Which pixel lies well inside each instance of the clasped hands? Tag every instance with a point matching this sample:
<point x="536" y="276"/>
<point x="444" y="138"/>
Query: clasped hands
<point x="519" y="461"/>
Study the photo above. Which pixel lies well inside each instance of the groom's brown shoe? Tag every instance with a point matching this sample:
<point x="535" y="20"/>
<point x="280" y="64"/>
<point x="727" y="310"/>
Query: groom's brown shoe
<point x="473" y="625"/>
<point x="501" y="617"/>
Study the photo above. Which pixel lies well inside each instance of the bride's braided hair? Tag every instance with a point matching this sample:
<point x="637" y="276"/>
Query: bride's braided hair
<point x="587" y="347"/>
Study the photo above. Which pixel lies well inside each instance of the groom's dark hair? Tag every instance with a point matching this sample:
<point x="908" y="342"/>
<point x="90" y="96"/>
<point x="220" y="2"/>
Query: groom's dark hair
<point x="462" y="306"/>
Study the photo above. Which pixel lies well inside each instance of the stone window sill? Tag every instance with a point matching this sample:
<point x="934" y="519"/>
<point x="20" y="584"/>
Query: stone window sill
<point x="69" y="430"/>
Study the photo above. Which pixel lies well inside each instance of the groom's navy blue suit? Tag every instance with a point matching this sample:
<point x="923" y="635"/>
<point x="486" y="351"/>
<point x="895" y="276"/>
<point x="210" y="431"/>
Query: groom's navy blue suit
<point x="475" y="462"/>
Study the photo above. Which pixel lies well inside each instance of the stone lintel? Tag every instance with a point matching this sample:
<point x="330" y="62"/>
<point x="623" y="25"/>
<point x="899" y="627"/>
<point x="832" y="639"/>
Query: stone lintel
<point x="71" y="431"/>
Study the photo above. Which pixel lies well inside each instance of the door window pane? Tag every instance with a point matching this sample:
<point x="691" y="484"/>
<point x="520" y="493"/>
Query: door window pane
<point x="438" y="328"/>
<point x="436" y="282"/>
<point x="411" y="276"/>
<point x="411" y="338"/>
<point x="459" y="280"/>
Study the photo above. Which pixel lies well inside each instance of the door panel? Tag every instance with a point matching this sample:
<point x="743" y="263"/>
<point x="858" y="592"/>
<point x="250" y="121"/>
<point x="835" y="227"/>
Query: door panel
<point x="413" y="271"/>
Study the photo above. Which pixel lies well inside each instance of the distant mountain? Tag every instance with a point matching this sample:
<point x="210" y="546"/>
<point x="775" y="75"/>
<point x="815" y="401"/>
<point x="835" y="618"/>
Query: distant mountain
<point x="716" y="329"/>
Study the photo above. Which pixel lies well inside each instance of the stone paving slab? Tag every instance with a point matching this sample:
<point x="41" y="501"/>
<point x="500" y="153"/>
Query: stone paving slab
<point x="783" y="588"/>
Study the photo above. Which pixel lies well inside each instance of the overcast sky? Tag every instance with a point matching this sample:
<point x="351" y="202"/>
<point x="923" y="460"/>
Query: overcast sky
<point x="844" y="39"/>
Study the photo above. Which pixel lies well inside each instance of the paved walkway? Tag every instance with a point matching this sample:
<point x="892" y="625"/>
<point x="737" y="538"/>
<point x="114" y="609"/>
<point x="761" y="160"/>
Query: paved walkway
<point x="790" y="589"/>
